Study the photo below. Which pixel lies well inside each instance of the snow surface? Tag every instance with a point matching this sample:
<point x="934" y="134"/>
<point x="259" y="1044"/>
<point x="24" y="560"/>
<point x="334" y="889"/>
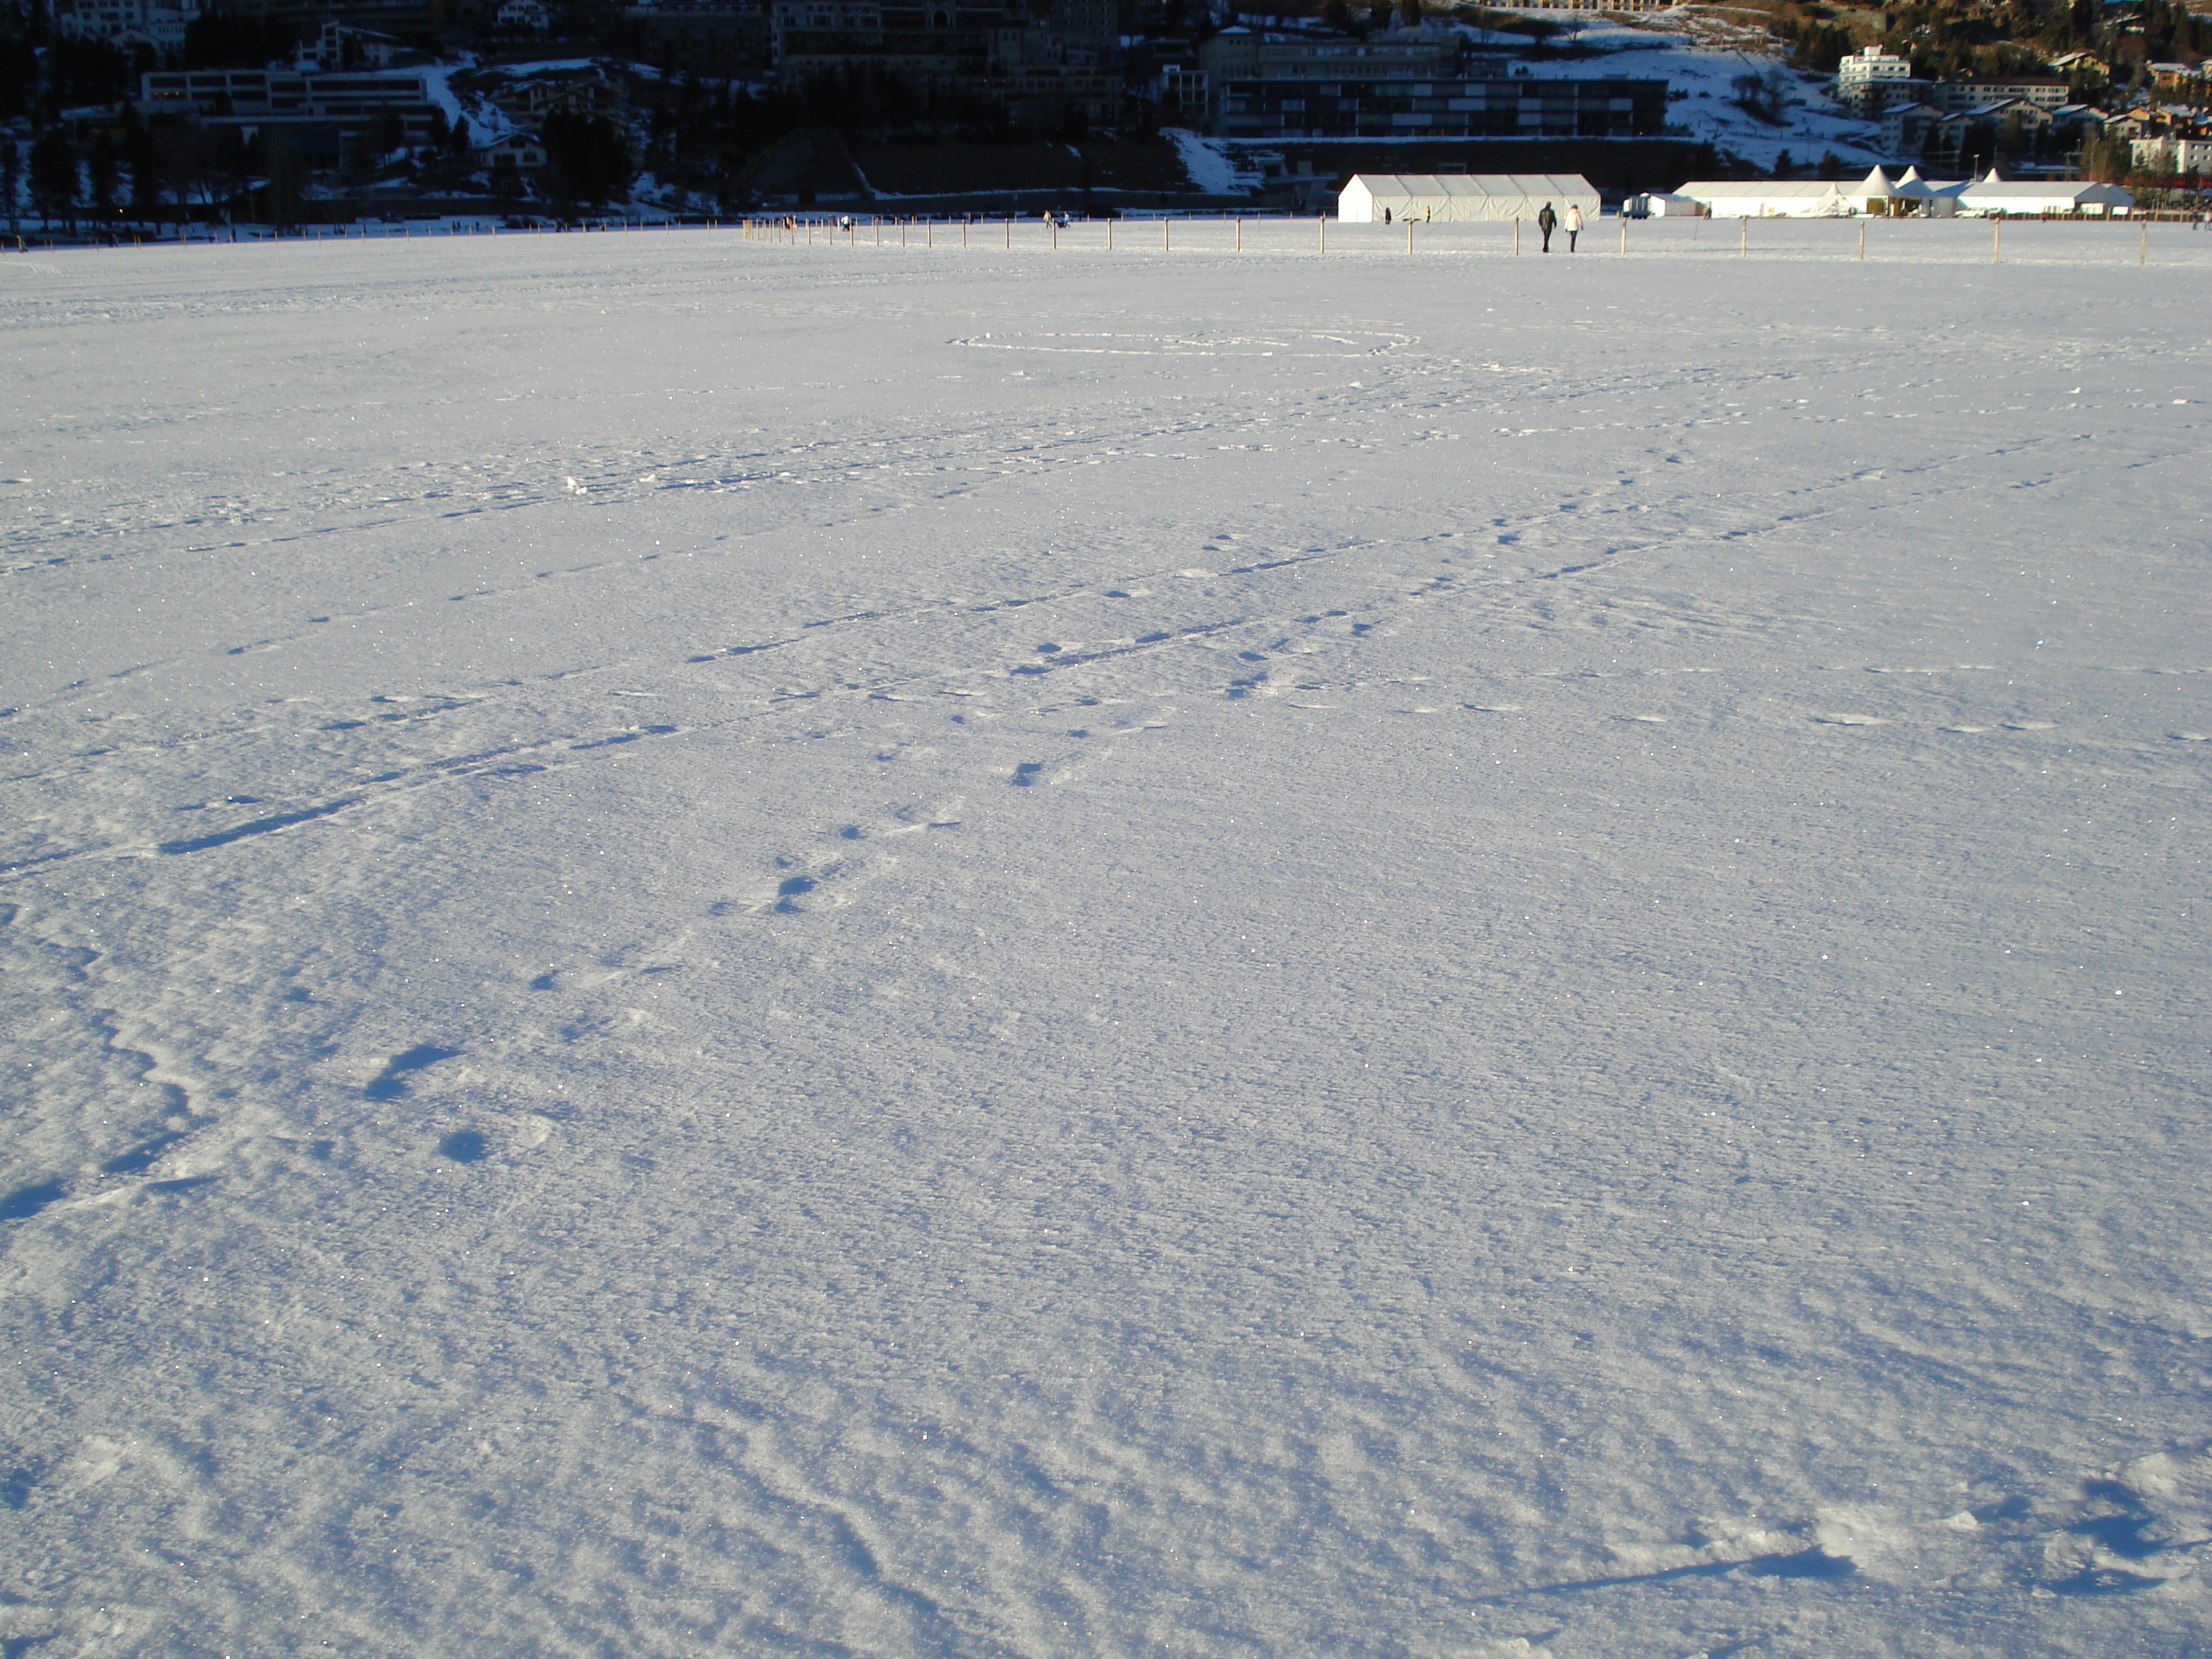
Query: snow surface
<point x="1212" y="167"/>
<point x="713" y="946"/>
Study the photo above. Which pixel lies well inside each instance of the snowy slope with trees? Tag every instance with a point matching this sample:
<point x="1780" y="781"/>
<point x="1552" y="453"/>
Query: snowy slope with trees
<point x="713" y="947"/>
<point x="1729" y="89"/>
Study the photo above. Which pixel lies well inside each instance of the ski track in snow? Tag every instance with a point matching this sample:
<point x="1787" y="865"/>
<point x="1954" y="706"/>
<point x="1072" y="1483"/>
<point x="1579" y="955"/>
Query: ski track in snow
<point x="714" y="946"/>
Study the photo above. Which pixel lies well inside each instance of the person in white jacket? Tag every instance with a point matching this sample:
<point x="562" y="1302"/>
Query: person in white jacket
<point x="1574" y="225"/>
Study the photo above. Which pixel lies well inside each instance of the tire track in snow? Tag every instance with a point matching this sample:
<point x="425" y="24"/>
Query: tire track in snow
<point x="476" y="765"/>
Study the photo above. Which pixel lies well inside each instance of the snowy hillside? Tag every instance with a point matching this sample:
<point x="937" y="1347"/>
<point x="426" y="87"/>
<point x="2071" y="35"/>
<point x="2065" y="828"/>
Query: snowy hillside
<point x="1701" y="57"/>
<point x="714" y="947"/>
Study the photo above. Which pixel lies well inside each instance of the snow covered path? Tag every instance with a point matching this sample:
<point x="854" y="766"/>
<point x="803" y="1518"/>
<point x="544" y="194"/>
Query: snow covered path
<point x="713" y="947"/>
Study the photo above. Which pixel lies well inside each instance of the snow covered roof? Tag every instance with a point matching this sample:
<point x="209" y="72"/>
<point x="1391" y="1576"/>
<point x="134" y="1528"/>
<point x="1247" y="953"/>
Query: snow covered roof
<point x="1875" y="186"/>
<point x="1706" y="190"/>
<point x="1993" y="191"/>
<point x="1417" y="184"/>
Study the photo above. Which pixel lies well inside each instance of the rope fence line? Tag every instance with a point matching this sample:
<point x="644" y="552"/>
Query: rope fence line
<point x="1203" y="234"/>
<point x="1238" y="234"/>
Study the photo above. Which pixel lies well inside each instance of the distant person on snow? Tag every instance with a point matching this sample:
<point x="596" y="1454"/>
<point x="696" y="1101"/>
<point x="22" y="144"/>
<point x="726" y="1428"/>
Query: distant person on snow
<point x="1547" y="222"/>
<point x="1574" y="225"/>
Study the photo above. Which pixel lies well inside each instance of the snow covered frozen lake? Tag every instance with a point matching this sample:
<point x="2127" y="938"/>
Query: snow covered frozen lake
<point x="725" y="947"/>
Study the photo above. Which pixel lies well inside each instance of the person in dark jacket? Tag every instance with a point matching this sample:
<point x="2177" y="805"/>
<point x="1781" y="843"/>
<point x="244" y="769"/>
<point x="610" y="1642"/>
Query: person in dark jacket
<point x="1547" y="222"/>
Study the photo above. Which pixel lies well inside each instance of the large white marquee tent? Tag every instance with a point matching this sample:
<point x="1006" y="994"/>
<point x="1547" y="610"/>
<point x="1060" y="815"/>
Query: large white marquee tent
<point x="1768" y="198"/>
<point x="1995" y="194"/>
<point x="1772" y="198"/>
<point x="1450" y="196"/>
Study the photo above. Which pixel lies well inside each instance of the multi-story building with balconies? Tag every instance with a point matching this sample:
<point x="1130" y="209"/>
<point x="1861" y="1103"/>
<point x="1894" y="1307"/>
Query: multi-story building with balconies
<point x="1870" y="80"/>
<point x="1509" y="107"/>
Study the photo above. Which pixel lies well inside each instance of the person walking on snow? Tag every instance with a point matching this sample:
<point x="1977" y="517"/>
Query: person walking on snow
<point x="1547" y="222"/>
<point x="1574" y="225"/>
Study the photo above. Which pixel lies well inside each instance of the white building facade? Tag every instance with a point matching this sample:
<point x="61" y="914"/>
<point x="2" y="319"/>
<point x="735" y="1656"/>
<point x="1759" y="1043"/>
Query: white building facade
<point x="2174" y="156"/>
<point x="1870" y="80"/>
<point x="159" y="25"/>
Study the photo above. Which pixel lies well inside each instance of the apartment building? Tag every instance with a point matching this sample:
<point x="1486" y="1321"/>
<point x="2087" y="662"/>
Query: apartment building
<point x="159" y="25"/>
<point x="1870" y="80"/>
<point x="1509" y="107"/>
<point x="325" y="115"/>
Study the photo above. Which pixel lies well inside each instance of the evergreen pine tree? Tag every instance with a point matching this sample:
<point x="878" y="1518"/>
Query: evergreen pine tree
<point x="103" y="167"/>
<point x="53" y="176"/>
<point x="11" y="183"/>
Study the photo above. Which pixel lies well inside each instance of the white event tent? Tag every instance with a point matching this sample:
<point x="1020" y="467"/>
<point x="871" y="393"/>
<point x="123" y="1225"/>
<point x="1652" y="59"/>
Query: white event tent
<point x="1929" y="198"/>
<point x="1768" y="198"/>
<point x="1450" y="196"/>
<point x="1874" y="187"/>
<point x="1994" y="195"/>
<point x="1664" y="204"/>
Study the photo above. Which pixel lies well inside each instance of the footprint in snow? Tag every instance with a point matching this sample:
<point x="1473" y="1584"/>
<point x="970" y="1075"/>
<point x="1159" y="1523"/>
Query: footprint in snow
<point x="463" y="1146"/>
<point x="821" y="880"/>
<point x="389" y="1084"/>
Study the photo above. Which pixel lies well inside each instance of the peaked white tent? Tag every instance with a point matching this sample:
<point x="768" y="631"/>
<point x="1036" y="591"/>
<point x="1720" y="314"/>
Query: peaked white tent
<point x="1933" y="198"/>
<point x="1874" y="187"/>
<point x="1453" y="196"/>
